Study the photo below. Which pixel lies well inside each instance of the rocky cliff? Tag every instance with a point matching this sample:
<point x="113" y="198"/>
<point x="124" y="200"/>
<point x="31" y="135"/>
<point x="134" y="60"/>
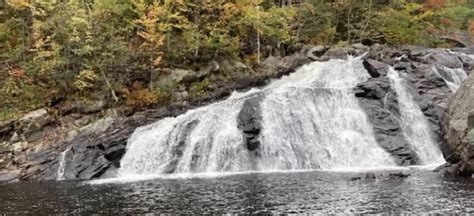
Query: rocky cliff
<point x="89" y="140"/>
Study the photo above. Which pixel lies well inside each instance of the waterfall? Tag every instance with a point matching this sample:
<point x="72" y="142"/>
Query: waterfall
<point x="307" y="120"/>
<point x="453" y="77"/>
<point x="62" y="165"/>
<point x="414" y="124"/>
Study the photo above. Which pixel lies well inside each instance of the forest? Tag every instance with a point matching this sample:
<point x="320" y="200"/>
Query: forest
<point x="55" y="51"/>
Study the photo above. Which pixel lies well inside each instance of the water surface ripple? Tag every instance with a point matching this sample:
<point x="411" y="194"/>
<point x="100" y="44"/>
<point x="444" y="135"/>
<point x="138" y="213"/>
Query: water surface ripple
<point x="296" y="192"/>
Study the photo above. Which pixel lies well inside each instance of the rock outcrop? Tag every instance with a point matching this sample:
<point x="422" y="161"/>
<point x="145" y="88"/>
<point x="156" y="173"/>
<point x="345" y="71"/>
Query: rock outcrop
<point x="249" y="122"/>
<point x="458" y="130"/>
<point x="96" y="142"/>
<point x="95" y="139"/>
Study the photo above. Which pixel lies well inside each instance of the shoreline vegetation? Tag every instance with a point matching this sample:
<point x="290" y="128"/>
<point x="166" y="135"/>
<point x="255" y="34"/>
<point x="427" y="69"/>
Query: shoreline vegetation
<point x="122" y="53"/>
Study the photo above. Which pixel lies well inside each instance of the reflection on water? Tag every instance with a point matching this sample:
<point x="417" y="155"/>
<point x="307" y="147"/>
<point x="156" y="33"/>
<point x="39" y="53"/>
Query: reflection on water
<point x="313" y="192"/>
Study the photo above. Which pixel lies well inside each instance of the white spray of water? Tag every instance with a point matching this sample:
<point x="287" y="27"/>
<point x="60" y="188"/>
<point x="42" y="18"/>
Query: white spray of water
<point x="62" y="165"/>
<point x="414" y="124"/>
<point x="310" y="120"/>
<point x="453" y="77"/>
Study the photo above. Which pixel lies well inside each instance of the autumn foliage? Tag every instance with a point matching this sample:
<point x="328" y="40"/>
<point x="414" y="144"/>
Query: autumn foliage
<point x="114" y="50"/>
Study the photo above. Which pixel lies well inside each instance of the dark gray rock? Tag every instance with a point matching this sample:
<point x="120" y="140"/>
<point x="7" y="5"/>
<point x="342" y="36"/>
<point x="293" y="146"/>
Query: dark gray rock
<point x="375" y="68"/>
<point x="467" y="62"/>
<point x="315" y="52"/>
<point x="443" y="58"/>
<point x="398" y="175"/>
<point x="6" y="130"/>
<point x="340" y="53"/>
<point x="381" y="106"/>
<point x="249" y="122"/>
<point x="370" y="176"/>
<point x="91" y="156"/>
<point x="181" y="138"/>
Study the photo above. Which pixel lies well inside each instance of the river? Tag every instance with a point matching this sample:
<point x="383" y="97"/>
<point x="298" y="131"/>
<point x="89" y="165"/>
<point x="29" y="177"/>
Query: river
<point x="278" y="192"/>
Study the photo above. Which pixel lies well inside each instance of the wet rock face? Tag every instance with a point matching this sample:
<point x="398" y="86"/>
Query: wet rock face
<point x="95" y="150"/>
<point x="90" y="154"/>
<point x="428" y="89"/>
<point x="249" y="122"/>
<point x="380" y="104"/>
<point x="375" y="68"/>
<point x="443" y="58"/>
<point x="458" y="129"/>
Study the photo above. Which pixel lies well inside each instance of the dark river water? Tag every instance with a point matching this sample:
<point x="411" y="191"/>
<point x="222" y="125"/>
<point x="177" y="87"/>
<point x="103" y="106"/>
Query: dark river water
<point x="297" y="192"/>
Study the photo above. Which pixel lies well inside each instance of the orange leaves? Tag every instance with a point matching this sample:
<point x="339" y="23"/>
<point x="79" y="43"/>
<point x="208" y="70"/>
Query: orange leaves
<point x="158" y="60"/>
<point x="18" y="73"/>
<point x="152" y="32"/>
<point x="433" y="4"/>
<point x="138" y="96"/>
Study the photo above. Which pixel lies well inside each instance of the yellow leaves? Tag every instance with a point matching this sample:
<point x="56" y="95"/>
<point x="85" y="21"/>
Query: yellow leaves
<point x="412" y="7"/>
<point x="229" y="11"/>
<point x="85" y="80"/>
<point x="157" y="61"/>
<point x="153" y="33"/>
<point x="19" y="4"/>
<point x="423" y="16"/>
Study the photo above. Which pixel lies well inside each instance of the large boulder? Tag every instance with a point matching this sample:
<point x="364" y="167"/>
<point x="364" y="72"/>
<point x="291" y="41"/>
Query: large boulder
<point x="32" y="125"/>
<point x="444" y="58"/>
<point x="376" y="68"/>
<point x="458" y="129"/>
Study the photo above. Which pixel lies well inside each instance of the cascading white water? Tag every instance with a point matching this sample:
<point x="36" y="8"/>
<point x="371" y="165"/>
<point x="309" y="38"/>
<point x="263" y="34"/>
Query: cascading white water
<point x="62" y="165"/>
<point x="414" y="124"/>
<point x="453" y="77"/>
<point x="310" y="120"/>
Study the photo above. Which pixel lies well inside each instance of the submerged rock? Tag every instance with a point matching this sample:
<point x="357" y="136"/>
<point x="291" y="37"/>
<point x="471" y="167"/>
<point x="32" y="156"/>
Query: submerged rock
<point x="381" y="176"/>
